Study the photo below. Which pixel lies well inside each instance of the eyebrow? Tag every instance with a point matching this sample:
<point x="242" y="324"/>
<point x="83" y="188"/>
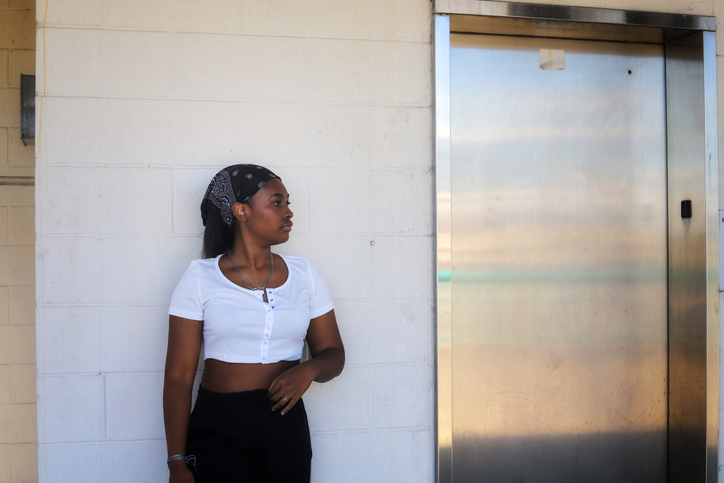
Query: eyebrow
<point x="278" y="194"/>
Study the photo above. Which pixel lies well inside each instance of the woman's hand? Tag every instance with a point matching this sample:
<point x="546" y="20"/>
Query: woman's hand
<point x="325" y="345"/>
<point x="179" y="472"/>
<point x="289" y="387"/>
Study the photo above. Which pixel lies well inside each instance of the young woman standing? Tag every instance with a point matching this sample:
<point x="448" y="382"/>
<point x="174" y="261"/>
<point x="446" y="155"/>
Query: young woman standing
<point x="252" y="309"/>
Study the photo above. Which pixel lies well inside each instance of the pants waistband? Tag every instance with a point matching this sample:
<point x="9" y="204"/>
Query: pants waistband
<point x="253" y="395"/>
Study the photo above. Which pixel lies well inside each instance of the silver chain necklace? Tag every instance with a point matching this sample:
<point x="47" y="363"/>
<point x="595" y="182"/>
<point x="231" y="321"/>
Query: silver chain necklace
<point x="251" y="285"/>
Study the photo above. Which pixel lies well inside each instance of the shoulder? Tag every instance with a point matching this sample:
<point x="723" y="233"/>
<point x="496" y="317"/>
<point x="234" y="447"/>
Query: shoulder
<point x="202" y="267"/>
<point x="301" y="267"/>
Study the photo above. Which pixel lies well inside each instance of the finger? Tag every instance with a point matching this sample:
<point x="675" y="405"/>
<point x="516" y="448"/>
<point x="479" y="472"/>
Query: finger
<point x="282" y="402"/>
<point x="289" y="406"/>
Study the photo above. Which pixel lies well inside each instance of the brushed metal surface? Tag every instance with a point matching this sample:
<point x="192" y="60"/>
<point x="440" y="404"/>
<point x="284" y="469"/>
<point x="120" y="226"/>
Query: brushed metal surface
<point x="443" y="285"/>
<point x="693" y="253"/>
<point x="576" y="14"/>
<point x="559" y="255"/>
<point x="712" y="297"/>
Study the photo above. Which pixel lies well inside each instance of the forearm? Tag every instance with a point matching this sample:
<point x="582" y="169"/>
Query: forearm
<point x="176" y="412"/>
<point x="326" y="365"/>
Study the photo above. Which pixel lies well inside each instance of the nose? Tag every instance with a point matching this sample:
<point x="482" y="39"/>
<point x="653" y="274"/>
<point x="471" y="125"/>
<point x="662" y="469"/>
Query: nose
<point x="288" y="213"/>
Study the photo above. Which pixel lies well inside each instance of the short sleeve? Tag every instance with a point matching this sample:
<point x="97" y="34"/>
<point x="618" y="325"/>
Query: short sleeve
<point x="321" y="302"/>
<point x="186" y="299"/>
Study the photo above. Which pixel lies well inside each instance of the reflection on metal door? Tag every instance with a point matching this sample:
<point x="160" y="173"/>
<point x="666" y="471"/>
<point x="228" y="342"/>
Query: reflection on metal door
<point x="559" y="260"/>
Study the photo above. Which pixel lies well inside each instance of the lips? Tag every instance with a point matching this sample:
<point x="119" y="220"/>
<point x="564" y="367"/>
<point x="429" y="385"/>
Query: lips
<point x="287" y="226"/>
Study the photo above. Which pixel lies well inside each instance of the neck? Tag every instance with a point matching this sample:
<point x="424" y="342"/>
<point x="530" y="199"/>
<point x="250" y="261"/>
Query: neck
<point x="254" y="257"/>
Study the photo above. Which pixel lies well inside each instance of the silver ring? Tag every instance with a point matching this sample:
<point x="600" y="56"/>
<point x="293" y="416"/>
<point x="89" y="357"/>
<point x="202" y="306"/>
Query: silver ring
<point x="285" y="399"/>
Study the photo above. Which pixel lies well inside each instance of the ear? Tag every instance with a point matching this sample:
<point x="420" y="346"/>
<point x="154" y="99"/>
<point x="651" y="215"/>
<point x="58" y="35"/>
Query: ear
<point x="240" y="211"/>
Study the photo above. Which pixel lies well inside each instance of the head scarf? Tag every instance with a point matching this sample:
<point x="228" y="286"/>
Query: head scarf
<point x="234" y="183"/>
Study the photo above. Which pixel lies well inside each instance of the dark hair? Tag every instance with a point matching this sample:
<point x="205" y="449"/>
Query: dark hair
<point x="218" y="236"/>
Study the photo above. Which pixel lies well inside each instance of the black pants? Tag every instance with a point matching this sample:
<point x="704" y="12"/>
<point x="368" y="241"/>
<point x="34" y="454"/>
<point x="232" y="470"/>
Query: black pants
<point x="236" y="438"/>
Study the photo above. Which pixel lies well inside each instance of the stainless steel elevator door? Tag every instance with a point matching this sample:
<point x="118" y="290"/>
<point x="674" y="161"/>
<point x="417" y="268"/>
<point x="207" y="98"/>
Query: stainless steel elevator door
<point x="559" y="261"/>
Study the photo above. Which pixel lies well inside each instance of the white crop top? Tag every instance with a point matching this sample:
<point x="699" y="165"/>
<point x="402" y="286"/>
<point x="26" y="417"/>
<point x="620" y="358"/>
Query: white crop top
<point x="238" y="325"/>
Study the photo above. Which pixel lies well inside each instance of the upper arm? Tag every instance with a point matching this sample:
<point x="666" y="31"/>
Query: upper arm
<point x="184" y="347"/>
<point x="323" y="334"/>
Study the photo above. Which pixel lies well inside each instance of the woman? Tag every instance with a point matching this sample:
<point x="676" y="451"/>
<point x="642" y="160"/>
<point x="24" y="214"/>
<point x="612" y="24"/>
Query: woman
<point x="253" y="309"/>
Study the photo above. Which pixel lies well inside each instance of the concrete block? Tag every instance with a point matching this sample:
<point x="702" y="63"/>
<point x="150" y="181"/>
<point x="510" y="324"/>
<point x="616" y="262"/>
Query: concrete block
<point x="17" y="344"/>
<point x="4" y="385"/>
<point x="72" y="200"/>
<point x="136" y="201"/>
<point x="218" y="16"/>
<point x="25" y="462"/>
<point x="3" y="146"/>
<point x="72" y="270"/>
<point x="4" y="305"/>
<point x="21" y="4"/>
<point x="145" y="457"/>
<point x="386" y="331"/>
<point x="344" y="262"/>
<point x="22" y="305"/>
<point x="4" y="71"/>
<point x="18" y="28"/>
<point x="139" y="395"/>
<point x="68" y="340"/>
<point x="136" y="63"/>
<point x="189" y="187"/>
<point x="400" y="20"/>
<point x="17" y="263"/>
<point x="17" y="423"/>
<point x="239" y="67"/>
<point x="362" y="201"/>
<point x="77" y="142"/>
<point x="21" y="221"/>
<point x="386" y="19"/>
<point x="403" y="267"/>
<point x="6" y="470"/>
<point x="17" y="196"/>
<point x="9" y="107"/>
<point x="19" y="154"/>
<point x="351" y="390"/>
<point x="159" y="132"/>
<point x="324" y="135"/>
<point x="368" y="71"/>
<point x="403" y="395"/>
<point x="144" y="328"/>
<point x="88" y="13"/>
<point x="72" y="62"/>
<point x="4" y="228"/>
<point x="22" y="383"/>
<point x="20" y="62"/>
<point x="146" y="270"/>
<point x="72" y="462"/>
<point x="70" y="409"/>
<point x="361" y="457"/>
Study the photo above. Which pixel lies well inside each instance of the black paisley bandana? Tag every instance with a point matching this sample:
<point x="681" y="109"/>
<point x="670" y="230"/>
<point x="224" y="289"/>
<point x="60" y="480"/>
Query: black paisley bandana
<point x="234" y="183"/>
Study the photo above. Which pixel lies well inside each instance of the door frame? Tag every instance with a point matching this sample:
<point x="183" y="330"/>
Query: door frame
<point x="692" y="166"/>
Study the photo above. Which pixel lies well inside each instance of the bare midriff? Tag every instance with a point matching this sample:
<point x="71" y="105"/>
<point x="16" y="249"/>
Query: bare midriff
<point x="222" y="376"/>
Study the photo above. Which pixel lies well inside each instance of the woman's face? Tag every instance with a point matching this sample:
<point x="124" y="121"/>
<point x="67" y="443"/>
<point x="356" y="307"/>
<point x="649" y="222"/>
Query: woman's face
<point x="268" y="215"/>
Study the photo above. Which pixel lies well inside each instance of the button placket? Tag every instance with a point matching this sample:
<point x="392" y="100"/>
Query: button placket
<point x="268" y="325"/>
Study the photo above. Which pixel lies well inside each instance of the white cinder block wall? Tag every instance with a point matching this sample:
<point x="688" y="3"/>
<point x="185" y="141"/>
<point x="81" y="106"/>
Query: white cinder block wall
<point x="140" y="103"/>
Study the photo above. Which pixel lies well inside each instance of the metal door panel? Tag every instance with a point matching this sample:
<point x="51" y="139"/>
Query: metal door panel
<point x="559" y="261"/>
